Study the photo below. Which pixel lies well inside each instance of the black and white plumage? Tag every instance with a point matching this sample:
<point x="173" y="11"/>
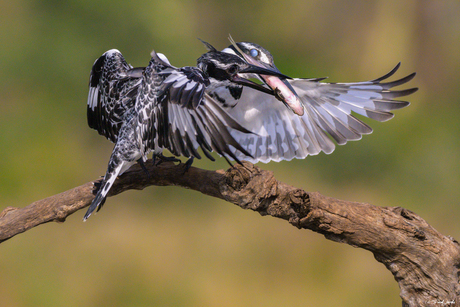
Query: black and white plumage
<point x="162" y="106"/>
<point x="113" y="86"/>
<point x="316" y="112"/>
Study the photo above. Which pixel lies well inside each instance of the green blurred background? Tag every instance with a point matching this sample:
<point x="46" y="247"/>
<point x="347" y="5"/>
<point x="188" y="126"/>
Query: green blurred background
<point x="167" y="246"/>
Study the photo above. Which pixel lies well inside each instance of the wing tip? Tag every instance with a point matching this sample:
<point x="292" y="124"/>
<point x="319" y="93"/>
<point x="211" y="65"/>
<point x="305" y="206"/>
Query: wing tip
<point x="389" y="74"/>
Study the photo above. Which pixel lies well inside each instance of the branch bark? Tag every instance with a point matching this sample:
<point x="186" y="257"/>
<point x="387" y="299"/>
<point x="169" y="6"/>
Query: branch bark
<point x="425" y="263"/>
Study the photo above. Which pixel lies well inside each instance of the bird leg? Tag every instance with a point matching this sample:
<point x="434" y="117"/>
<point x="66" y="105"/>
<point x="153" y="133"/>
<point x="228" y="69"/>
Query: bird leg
<point x="188" y="164"/>
<point x="142" y="164"/>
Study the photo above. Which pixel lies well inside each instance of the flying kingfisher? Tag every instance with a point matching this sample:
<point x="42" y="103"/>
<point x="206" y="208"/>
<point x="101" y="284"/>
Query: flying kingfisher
<point x="311" y="112"/>
<point x="161" y="106"/>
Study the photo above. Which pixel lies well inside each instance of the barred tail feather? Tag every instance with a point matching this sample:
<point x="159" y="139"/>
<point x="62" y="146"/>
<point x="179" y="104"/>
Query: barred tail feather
<point x="112" y="172"/>
<point x="97" y="203"/>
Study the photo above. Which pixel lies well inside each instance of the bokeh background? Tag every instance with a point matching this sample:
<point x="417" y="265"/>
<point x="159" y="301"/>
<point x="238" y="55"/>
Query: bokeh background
<point x="166" y="246"/>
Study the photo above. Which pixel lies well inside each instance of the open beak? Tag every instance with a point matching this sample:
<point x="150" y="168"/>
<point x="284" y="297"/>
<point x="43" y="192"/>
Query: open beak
<point x="278" y="82"/>
<point x="259" y="70"/>
<point x="239" y="80"/>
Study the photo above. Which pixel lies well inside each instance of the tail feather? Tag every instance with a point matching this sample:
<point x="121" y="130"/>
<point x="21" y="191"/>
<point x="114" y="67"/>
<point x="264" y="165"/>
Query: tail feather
<point x="97" y="203"/>
<point x="112" y="172"/>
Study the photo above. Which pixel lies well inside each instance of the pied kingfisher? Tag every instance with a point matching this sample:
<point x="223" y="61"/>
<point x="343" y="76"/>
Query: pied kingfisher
<point x="162" y="106"/>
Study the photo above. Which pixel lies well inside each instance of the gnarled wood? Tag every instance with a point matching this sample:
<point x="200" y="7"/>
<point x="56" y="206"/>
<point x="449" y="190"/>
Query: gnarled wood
<point x="425" y="263"/>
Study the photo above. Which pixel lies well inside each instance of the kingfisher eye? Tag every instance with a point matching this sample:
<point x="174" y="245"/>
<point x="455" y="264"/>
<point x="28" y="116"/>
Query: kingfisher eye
<point x="232" y="69"/>
<point x="254" y="52"/>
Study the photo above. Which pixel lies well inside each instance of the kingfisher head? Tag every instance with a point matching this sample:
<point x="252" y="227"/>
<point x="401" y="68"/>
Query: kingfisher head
<point x="226" y="67"/>
<point x="261" y="57"/>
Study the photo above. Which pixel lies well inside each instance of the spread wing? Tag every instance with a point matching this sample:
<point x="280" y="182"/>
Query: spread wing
<point x="112" y="88"/>
<point x="279" y="134"/>
<point x="176" y="113"/>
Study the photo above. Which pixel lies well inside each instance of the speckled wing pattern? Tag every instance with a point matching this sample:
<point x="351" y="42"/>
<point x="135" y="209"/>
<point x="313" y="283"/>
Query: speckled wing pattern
<point x="112" y="89"/>
<point x="176" y="113"/>
<point x="279" y="134"/>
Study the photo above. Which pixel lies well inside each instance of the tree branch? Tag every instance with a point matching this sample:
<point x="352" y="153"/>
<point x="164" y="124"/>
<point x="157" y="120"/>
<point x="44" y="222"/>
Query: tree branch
<point x="425" y="263"/>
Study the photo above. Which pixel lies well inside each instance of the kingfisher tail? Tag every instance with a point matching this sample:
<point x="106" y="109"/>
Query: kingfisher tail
<point x="116" y="167"/>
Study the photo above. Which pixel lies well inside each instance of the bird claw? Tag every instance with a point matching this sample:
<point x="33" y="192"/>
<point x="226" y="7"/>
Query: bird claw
<point x="97" y="185"/>
<point x="162" y="159"/>
<point x="188" y="164"/>
<point x="142" y="164"/>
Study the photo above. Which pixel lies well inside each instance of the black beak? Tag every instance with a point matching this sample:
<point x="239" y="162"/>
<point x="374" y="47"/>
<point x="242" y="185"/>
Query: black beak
<point x="253" y="69"/>
<point x="259" y="70"/>
<point x="284" y="80"/>
<point x="280" y="86"/>
<point x="256" y="86"/>
<point x="277" y="85"/>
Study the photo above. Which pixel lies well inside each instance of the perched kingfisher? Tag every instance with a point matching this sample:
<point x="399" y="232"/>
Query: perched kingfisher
<point x="311" y="110"/>
<point x="162" y="106"/>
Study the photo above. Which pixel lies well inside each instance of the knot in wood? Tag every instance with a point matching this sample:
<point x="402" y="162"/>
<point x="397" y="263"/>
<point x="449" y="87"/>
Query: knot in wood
<point x="7" y="210"/>
<point x="238" y="176"/>
<point x="249" y="187"/>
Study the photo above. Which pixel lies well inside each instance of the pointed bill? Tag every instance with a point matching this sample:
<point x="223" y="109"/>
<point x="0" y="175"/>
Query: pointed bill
<point x="282" y="88"/>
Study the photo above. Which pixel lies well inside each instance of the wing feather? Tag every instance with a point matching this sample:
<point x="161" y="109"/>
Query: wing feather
<point x="112" y="87"/>
<point x="279" y="134"/>
<point x="187" y="118"/>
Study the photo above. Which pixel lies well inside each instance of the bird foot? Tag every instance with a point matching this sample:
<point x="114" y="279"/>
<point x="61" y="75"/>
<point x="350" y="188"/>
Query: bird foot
<point x="159" y="158"/>
<point x="142" y="164"/>
<point x="188" y="164"/>
<point x="96" y="186"/>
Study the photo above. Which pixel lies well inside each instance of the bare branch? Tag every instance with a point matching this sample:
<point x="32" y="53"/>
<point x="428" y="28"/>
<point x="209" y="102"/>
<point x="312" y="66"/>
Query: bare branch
<point x="425" y="263"/>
